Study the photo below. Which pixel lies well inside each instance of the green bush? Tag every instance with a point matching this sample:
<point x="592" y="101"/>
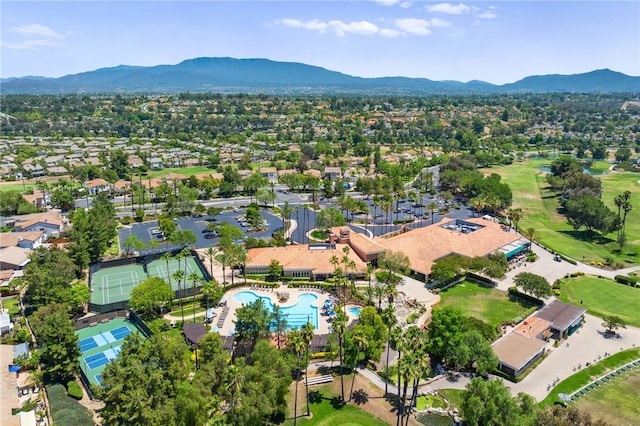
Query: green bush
<point x="568" y="259"/>
<point x="627" y="280"/>
<point x="74" y="391"/>
<point x="65" y="410"/>
<point x="413" y="317"/>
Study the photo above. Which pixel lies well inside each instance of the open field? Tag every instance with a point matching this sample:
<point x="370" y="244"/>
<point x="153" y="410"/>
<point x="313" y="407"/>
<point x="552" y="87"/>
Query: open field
<point x="531" y="194"/>
<point x="488" y="304"/>
<point x="601" y="297"/>
<point x="588" y="374"/>
<point x="612" y="402"/>
<point x="326" y="411"/>
<point x="186" y="171"/>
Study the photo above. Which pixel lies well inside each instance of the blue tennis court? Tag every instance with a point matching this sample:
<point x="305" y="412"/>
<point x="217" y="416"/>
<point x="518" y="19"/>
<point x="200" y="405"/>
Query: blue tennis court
<point x="121" y="332"/>
<point x="97" y="360"/>
<point x="87" y="344"/>
<point x="104" y="338"/>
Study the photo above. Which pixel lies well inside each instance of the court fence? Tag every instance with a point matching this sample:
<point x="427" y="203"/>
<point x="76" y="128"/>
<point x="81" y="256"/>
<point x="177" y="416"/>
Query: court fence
<point x="98" y="318"/>
<point x="144" y="261"/>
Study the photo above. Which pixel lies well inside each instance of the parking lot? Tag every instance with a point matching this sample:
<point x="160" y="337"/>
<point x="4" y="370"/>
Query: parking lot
<point x="148" y="231"/>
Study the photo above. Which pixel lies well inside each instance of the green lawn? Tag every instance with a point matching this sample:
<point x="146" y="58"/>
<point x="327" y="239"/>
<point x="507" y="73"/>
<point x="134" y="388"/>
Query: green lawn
<point x="454" y="396"/>
<point x="488" y="304"/>
<point x="12" y="304"/>
<point x="430" y="401"/>
<point x="603" y="297"/>
<point x="186" y="171"/>
<point x="327" y="412"/>
<point x="531" y="194"/>
<point x="611" y="402"/>
<point x="587" y="375"/>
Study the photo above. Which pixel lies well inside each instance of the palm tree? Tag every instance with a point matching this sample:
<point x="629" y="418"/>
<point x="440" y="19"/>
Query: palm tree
<point x="211" y="253"/>
<point x="361" y="344"/>
<point x="195" y="280"/>
<point x="236" y="379"/>
<point x="432" y="207"/>
<point x="167" y="257"/>
<point x="209" y="289"/>
<point x="378" y="292"/>
<point x="530" y="234"/>
<point x="307" y="332"/>
<point x="494" y="205"/>
<point x="515" y="215"/>
<point x="478" y="203"/>
<point x="369" y="273"/>
<point x="389" y="318"/>
<point x="224" y="259"/>
<point x="297" y="344"/>
<point x="185" y="255"/>
<point x="339" y="327"/>
<point x="178" y="276"/>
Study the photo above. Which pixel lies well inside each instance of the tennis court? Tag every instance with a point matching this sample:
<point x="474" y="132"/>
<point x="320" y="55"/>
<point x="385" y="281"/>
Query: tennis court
<point x="114" y="284"/>
<point x="158" y="268"/>
<point x="100" y="344"/>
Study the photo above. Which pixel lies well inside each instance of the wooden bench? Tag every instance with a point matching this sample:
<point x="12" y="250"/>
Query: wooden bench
<point x="319" y="380"/>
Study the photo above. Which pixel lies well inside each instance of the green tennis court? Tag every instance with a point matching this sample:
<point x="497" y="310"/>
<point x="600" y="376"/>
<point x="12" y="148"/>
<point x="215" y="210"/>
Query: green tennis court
<point x="158" y="268"/>
<point x="100" y="344"/>
<point x="111" y="285"/>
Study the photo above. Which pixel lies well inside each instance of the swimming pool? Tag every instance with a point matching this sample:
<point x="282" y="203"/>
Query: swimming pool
<point x="355" y="311"/>
<point x="297" y="315"/>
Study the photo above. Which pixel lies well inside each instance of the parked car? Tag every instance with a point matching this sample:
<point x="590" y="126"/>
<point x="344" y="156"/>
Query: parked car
<point x="210" y="236"/>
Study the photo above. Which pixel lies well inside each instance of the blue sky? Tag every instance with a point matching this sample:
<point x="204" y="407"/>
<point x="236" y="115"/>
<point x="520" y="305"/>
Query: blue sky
<point x="493" y="41"/>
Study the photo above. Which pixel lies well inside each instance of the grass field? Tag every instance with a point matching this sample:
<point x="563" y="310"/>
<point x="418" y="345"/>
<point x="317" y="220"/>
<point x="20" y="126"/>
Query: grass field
<point x="531" y="194"/>
<point x="454" y="396"/>
<point x="601" y="297"/>
<point x="326" y="411"/>
<point x="12" y="304"/>
<point x="430" y="401"/>
<point x="490" y="305"/>
<point x="586" y="375"/>
<point x="186" y="171"/>
<point x="599" y="403"/>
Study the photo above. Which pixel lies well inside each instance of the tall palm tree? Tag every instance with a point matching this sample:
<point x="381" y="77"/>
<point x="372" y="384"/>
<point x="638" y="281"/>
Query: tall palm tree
<point x="378" y="292"/>
<point x="210" y="254"/>
<point x="178" y="276"/>
<point x="224" y="259"/>
<point x="389" y="318"/>
<point x="432" y="207"/>
<point x="297" y="345"/>
<point x="530" y="234"/>
<point x="236" y="378"/>
<point x="361" y="344"/>
<point x="478" y="203"/>
<point x="494" y="204"/>
<point x="307" y="332"/>
<point x="167" y="258"/>
<point x="339" y="326"/>
<point x="209" y="289"/>
<point x="515" y="216"/>
<point x="186" y="254"/>
<point x="369" y="273"/>
<point x="195" y="280"/>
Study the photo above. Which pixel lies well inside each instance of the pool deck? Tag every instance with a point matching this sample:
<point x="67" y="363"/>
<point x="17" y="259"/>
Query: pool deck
<point x="229" y="326"/>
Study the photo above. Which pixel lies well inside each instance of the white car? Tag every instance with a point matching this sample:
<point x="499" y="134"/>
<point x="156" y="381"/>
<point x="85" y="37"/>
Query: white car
<point x="156" y="231"/>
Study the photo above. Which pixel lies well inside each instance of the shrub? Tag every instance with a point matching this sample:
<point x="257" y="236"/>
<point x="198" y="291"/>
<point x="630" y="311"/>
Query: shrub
<point x="556" y="292"/>
<point x="65" y="410"/>
<point x="627" y="280"/>
<point x="532" y="256"/>
<point x="568" y="259"/>
<point x="413" y="317"/>
<point x="74" y="391"/>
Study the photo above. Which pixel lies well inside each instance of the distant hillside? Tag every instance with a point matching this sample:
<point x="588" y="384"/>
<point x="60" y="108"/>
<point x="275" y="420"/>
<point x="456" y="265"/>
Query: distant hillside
<point x="229" y="75"/>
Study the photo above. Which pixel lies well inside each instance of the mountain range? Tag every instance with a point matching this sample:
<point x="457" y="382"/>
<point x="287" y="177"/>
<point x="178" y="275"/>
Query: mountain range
<point x="230" y="75"/>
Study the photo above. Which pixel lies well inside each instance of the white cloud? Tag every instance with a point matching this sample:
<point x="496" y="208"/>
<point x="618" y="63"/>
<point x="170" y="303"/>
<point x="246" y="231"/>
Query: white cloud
<point x="450" y="9"/>
<point x="413" y="26"/>
<point x="406" y="4"/>
<point x="35" y="30"/>
<point x="435" y="22"/>
<point x="390" y="33"/>
<point x="386" y="2"/>
<point x="30" y="44"/>
<point x="487" y="15"/>
<point x="340" y="28"/>
<point x="359" y="27"/>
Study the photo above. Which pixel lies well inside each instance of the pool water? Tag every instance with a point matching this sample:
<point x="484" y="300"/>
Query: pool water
<point x="355" y="311"/>
<point x="297" y="315"/>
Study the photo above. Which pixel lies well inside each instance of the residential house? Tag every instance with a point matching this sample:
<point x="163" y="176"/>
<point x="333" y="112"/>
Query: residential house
<point x="156" y="163"/>
<point x="29" y="240"/>
<point x="270" y="173"/>
<point x="50" y="223"/>
<point x="13" y="258"/>
<point x="332" y="173"/>
<point x="96" y="186"/>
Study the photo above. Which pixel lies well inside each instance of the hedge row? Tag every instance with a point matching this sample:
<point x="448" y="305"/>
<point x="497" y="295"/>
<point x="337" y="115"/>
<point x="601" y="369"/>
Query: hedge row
<point x="627" y="280"/>
<point x="514" y="291"/>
